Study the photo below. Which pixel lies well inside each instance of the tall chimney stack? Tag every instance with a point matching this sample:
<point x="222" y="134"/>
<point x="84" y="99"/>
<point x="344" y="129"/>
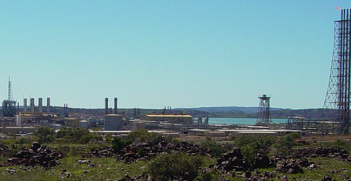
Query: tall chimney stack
<point x="48" y="105"/>
<point x="25" y="105"/>
<point x="32" y="105"/>
<point x="106" y="105"/>
<point x="115" y="108"/>
<point x="40" y="105"/>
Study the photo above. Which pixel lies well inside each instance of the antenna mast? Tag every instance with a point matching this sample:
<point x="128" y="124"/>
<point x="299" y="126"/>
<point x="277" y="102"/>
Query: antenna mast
<point x="10" y="91"/>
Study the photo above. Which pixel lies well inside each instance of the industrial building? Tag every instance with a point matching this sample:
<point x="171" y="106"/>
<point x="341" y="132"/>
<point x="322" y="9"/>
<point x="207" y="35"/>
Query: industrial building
<point x="113" y="122"/>
<point x="173" y="118"/>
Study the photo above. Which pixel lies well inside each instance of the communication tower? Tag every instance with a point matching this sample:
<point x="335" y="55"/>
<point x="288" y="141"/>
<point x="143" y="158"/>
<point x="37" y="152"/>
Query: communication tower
<point x="263" y="116"/>
<point x="337" y="99"/>
<point x="9" y="105"/>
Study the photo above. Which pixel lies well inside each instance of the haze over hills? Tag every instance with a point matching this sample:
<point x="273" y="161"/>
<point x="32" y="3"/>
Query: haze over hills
<point x="246" y="110"/>
<point x="219" y="112"/>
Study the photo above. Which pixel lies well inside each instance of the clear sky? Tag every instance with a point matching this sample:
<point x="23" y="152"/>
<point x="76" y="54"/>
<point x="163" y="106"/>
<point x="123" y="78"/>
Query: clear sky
<point x="152" y="54"/>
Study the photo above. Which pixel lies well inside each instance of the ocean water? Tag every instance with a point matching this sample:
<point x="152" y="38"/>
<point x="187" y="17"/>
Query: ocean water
<point x="240" y="120"/>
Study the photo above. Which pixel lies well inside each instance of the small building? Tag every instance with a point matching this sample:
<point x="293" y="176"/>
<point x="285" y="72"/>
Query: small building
<point x="216" y="134"/>
<point x="113" y="122"/>
<point x="200" y="132"/>
<point x="18" y="129"/>
<point x="137" y="126"/>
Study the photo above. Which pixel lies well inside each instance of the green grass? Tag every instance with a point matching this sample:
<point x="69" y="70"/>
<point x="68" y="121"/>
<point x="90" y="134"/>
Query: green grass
<point x="104" y="170"/>
<point x="109" y="168"/>
<point x="324" y="166"/>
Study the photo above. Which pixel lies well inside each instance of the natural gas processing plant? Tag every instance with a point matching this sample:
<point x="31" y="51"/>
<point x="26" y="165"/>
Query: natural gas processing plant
<point x="18" y="118"/>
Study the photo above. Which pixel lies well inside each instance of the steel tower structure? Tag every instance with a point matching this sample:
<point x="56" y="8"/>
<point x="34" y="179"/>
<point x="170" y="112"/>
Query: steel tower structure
<point x="337" y="99"/>
<point x="9" y="105"/>
<point x="263" y="116"/>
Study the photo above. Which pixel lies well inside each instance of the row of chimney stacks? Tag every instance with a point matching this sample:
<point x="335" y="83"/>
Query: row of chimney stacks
<point x="40" y="105"/>
<point x="114" y="109"/>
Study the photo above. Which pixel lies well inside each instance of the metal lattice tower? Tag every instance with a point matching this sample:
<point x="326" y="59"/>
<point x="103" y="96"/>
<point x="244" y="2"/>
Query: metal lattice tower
<point x="264" y="117"/>
<point x="337" y="99"/>
<point x="10" y="91"/>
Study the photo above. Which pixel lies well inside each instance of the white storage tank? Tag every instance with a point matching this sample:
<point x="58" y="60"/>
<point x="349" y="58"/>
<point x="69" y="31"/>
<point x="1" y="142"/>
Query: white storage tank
<point x="84" y="124"/>
<point x="113" y="122"/>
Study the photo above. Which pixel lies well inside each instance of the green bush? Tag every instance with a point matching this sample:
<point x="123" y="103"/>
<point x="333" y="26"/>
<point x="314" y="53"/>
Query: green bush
<point x="118" y="144"/>
<point x="45" y="134"/>
<point x="248" y="152"/>
<point x="253" y="144"/>
<point x="75" y="135"/>
<point x="216" y="149"/>
<point x="342" y="144"/>
<point x="142" y="135"/>
<point x="174" y="165"/>
<point x="108" y="138"/>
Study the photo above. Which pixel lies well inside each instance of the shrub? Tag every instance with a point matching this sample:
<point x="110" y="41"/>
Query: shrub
<point x="118" y="144"/>
<point x="108" y="138"/>
<point x="341" y="144"/>
<point x="173" y="166"/>
<point x="248" y="152"/>
<point x="45" y="134"/>
<point x="216" y="150"/>
<point x="142" y="135"/>
<point x="256" y="143"/>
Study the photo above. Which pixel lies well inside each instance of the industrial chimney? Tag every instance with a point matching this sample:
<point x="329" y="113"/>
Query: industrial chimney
<point x="48" y="105"/>
<point x="115" y="108"/>
<point x="32" y="105"/>
<point x="40" y="105"/>
<point x="25" y="105"/>
<point x="106" y="105"/>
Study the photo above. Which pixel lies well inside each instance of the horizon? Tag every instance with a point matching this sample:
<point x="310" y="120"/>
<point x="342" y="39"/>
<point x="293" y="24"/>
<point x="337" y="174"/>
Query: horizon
<point x="180" y="53"/>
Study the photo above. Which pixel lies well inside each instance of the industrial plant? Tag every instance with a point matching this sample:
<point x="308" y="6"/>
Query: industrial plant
<point x="23" y="118"/>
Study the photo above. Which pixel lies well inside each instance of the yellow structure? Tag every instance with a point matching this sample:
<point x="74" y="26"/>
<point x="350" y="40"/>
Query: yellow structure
<point x="174" y="118"/>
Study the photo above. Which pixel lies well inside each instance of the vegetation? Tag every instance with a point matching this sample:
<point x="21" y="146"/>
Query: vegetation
<point x="142" y="135"/>
<point x="72" y="142"/>
<point x="118" y="144"/>
<point x="45" y="134"/>
<point x="216" y="149"/>
<point x="76" y="135"/>
<point x="173" y="166"/>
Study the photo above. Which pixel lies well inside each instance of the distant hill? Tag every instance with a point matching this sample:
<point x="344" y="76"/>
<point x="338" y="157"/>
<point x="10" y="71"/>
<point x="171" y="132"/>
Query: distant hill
<point x="219" y="112"/>
<point x="245" y="110"/>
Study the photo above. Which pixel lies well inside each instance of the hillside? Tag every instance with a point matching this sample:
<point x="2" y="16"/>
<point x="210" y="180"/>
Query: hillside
<point x="219" y="112"/>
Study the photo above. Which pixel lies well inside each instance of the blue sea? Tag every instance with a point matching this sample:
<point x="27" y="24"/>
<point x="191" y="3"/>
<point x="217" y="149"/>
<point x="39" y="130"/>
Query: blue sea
<point x="240" y="120"/>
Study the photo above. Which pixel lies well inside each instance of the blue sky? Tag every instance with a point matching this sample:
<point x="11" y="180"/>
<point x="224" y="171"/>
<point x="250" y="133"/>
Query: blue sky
<point x="152" y="54"/>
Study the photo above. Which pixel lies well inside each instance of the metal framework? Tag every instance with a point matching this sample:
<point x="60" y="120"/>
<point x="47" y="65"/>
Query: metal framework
<point x="263" y="116"/>
<point x="337" y="99"/>
<point x="9" y="105"/>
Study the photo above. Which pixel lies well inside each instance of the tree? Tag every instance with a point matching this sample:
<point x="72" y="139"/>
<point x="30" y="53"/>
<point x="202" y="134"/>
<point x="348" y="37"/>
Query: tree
<point x="45" y="134"/>
<point x="108" y="138"/>
<point x="118" y="144"/>
<point x="75" y="135"/>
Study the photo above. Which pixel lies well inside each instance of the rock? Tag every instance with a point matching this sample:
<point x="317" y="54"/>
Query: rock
<point x="326" y="178"/>
<point x="83" y="161"/>
<point x="37" y="155"/>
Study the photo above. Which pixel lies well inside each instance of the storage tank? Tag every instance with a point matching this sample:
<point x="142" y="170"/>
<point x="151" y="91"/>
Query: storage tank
<point x="84" y="124"/>
<point x="113" y="122"/>
<point x="18" y="120"/>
